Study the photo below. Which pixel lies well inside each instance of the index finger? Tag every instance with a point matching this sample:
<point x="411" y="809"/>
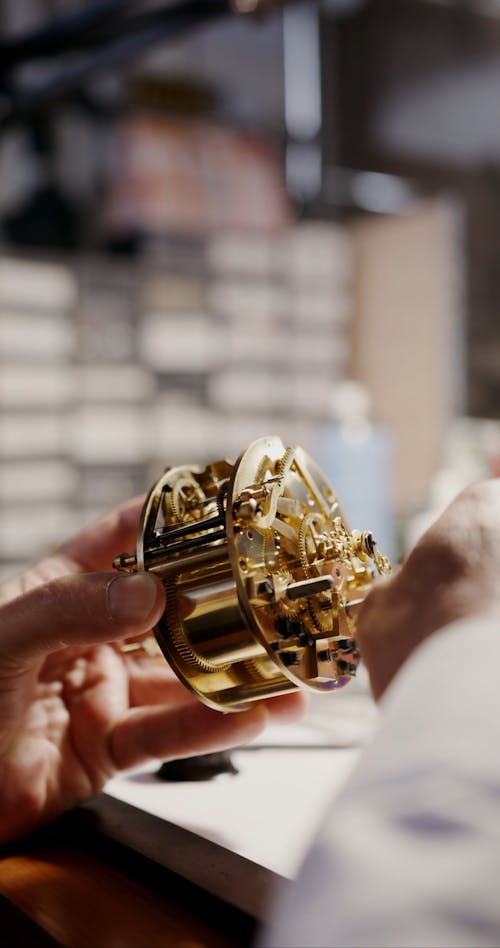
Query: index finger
<point x="96" y="546"/>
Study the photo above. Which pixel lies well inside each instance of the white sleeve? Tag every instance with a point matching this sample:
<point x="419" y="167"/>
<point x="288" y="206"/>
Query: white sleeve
<point x="409" y="852"/>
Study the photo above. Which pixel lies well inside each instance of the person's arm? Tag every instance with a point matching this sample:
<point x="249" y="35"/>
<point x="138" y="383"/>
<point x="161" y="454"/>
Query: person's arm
<point x="409" y="853"/>
<point x="74" y="708"/>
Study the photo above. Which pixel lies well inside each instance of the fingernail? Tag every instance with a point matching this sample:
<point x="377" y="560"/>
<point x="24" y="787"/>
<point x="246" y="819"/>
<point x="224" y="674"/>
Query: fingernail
<point x="131" y="598"/>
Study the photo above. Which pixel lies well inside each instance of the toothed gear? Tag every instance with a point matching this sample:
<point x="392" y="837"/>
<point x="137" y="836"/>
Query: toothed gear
<point x="260" y="668"/>
<point x="305" y="533"/>
<point x="178" y="504"/>
<point x="284" y="461"/>
<point x="178" y="637"/>
<point x="287" y="607"/>
<point x="323" y="621"/>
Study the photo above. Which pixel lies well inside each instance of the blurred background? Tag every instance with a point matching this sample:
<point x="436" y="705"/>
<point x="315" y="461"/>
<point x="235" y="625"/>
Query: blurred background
<point x="223" y="220"/>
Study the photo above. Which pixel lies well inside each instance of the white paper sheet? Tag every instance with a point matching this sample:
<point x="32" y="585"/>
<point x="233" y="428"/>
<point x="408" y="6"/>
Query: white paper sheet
<point x="268" y="812"/>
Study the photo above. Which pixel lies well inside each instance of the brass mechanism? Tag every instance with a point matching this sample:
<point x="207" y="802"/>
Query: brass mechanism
<point x="263" y="576"/>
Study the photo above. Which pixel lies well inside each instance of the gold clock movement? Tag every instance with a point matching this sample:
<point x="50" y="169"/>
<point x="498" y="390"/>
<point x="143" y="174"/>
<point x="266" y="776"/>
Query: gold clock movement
<point x="262" y="574"/>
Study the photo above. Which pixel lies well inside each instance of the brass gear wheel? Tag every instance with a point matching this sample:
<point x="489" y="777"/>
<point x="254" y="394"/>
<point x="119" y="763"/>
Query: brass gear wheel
<point x="178" y="502"/>
<point x="305" y="535"/>
<point x="323" y="621"/>
<point x="178" y="637"/>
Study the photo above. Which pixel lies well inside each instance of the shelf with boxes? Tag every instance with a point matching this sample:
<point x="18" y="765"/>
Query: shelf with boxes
<point x="109" y="371"/>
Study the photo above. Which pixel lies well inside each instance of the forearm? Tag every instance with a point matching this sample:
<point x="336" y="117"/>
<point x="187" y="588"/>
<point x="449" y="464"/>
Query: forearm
<point x="409" y="854"/>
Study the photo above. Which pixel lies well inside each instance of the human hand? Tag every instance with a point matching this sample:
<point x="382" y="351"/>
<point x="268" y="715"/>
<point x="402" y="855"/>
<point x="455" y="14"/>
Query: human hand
<point x="451" y="573"/>
<point x="75" y="709"/>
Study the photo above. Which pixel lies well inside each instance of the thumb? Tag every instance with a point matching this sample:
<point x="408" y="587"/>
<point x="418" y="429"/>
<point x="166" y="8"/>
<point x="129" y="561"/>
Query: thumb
<point x="80" y="609"/>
